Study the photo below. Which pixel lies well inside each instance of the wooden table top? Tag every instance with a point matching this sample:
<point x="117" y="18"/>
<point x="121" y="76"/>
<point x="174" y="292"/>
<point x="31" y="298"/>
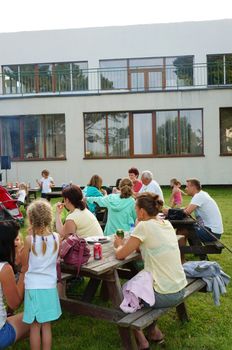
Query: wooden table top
<point x="107" y="263"/>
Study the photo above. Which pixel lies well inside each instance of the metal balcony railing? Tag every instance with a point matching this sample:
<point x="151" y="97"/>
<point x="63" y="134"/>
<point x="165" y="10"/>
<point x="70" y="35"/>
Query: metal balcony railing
<point x="114" y="80"/>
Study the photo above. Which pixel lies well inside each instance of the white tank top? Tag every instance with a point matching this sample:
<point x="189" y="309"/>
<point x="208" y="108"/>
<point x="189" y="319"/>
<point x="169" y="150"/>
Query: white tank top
<point x="3" y="315"/>
<point x="41" y="272"/>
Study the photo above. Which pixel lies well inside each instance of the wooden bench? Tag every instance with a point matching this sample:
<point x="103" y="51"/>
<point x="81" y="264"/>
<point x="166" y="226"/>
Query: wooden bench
<point x="145" y="317"/>
<point x="214" y="247"/>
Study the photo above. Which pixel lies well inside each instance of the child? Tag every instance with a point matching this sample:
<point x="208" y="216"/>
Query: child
<point x="21" y="194"/>
<point x="41" y="303"/>
<point x="19" y="244"/>
<point x="176" y="196"/>
<point x="46" y="183"/>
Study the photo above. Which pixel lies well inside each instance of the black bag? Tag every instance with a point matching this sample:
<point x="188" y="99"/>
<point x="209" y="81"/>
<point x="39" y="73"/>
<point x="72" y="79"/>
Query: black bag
<point x="176" y="214"/>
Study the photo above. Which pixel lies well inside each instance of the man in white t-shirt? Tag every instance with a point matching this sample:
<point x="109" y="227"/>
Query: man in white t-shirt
<point x="150" y="185"/>
<point x="206" y="211"/>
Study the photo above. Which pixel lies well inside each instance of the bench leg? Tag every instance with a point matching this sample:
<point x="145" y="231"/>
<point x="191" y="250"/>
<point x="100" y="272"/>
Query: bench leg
<point x="182" y="312"/>
<point x="128" y="338"/>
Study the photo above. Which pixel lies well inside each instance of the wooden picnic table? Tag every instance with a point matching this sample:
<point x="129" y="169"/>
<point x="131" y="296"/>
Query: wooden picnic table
<point x="105" y="272"/>
<point x="53" y="194"/>
<point x="196" y="246"/>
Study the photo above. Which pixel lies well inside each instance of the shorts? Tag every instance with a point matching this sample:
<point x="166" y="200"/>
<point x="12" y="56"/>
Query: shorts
<point x="7" y="336"/>
<point x="204" y="235"/>
<point x="168" y="300"/>
<point x="41" y="305"/>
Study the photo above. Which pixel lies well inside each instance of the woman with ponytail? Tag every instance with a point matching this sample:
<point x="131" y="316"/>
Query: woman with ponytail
<point x="156" y="239"/>
<point x="120" y="206"/>
<point x="41" y="303"/>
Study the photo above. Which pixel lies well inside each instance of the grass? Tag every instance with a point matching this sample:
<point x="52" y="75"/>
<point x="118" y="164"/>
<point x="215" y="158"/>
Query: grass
<point x="210" y="327"/>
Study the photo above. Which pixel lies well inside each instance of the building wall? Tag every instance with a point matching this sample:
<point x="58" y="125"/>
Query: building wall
<point x="93" y="44"/>
<point x="210" y="169"/>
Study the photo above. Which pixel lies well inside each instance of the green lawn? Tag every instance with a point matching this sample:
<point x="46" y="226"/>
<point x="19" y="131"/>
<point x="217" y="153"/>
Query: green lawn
<point x="210" y="327"/>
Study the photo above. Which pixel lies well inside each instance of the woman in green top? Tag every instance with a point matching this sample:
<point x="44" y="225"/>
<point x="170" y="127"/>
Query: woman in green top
<point x="120" y="206"/>
<point x="93" y="189"/>
<point x="157" y="241"/>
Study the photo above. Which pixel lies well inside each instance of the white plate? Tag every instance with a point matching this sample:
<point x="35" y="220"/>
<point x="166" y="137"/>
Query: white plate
<point x="97" y="239"/>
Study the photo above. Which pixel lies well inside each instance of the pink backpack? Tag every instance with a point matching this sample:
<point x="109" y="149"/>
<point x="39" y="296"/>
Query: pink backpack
<point x="73" y="251"/>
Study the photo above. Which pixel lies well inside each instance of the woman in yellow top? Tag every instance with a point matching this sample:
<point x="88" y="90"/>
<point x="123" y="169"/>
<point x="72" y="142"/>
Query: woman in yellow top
<point x="159" y="248"/>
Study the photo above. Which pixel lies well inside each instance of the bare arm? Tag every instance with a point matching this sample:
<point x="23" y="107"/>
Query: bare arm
<point x="126" y="248"/>
<point x="190" y="208"/>
<point x="14" y="292"/>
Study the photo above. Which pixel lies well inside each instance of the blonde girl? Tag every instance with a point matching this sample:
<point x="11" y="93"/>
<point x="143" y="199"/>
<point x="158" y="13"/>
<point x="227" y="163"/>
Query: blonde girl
<point x="22" y="193"/>
<point x="41" y="305"/>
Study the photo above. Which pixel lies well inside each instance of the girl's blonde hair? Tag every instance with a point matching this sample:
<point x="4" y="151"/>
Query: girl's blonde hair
<point x="23" y="186"/>
<point x="40" y="216"/>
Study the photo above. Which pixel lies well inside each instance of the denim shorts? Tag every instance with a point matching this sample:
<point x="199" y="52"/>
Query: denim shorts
<point x="7" y="336"/>
<point x="168" y="300"/>
<point x="204" y="235"/>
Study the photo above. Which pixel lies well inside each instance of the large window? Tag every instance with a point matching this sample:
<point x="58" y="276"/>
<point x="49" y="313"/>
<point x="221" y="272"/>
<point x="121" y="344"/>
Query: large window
<point x="226" y="131"/>
<point x="106" y="135"/>
<point x="144" y="134"/>
<point x="33" y="136"/>
<point x="219" y="69"/>
<point x="45" y="77"/>
<point x="146" y="74"/>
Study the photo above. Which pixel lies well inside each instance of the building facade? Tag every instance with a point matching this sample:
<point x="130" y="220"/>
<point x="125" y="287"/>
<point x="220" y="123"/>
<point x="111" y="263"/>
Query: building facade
<point x="100" y="100"/>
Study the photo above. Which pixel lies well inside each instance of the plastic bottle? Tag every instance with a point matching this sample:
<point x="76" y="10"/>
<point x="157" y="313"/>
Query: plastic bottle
<point x="132" y="226"/>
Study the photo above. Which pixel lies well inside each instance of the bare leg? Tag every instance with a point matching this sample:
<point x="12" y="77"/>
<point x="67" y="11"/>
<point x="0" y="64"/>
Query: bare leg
<point x="46" y="336"/>
<point x="141" y="339"/>
<point x="155" y="333"/>
<point x="182" y="241"/>
<point x="35" y="336"/>
<point x="21" y="328"/>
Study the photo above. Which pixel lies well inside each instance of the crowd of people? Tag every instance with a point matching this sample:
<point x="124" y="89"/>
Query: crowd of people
<point x="28" y="268"/>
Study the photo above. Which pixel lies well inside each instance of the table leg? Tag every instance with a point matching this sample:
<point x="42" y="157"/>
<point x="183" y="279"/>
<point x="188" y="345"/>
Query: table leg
<point x="114" y="288"/>
<point x="128" y="338"/>
<point x="90" y="290"/>
<point x="182" y="312"/>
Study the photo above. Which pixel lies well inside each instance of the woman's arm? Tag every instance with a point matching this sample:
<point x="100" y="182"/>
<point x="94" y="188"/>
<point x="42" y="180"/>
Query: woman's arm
<point x="68" y="228"/>
<point x="125" y="248"/>
<point x="101" y="201"/>
<point x="14" y="292"/>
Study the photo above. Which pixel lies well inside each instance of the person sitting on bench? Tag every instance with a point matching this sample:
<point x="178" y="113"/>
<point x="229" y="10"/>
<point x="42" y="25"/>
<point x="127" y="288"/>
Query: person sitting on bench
<point x="206" y="211"/>
<point x="156" y="238"/>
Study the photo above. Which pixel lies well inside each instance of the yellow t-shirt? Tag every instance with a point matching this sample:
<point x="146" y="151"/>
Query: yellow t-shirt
<point x="86" y="223"/>
<point x="161" y="255"/>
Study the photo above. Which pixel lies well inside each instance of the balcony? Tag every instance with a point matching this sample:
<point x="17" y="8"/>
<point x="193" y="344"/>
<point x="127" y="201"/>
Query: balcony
<point x="142" y="79"/>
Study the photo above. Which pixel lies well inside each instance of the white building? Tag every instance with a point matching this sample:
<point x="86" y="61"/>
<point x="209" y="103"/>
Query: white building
<point x="100" y="100"/>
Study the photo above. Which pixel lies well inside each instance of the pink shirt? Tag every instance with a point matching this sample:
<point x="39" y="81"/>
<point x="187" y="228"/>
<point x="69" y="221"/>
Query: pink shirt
<point x="137" y="185"/>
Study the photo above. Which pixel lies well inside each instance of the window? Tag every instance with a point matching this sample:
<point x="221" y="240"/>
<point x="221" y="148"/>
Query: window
<point x="113" y="74"/>
<point x="179" y="71"/>
<point x="106" y="135"/>
<point x="226" y="131"/>
<point x="45" y="77"/>
<point x="219" y="69"/>
<point x="33" y="137"/>
<point x="146" y="74"/>
<point x="144" y="134"/>
<point x="142" y="127"/>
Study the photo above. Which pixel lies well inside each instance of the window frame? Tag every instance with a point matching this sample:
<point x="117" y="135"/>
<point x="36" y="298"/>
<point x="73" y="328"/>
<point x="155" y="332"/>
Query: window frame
<point x="223" y="154"/>
<point x="154" y="145"/>
<point x="22" y="119"/>
<point x="37" y="77"/>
